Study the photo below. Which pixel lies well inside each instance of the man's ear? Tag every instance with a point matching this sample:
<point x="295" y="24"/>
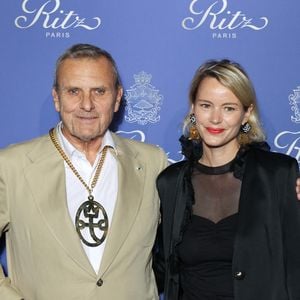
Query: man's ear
<point x="56" y="100"/>
<point x="118" y="99"/>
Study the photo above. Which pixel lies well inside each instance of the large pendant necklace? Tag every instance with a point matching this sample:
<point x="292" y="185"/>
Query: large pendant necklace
<point x="90" y="214"/>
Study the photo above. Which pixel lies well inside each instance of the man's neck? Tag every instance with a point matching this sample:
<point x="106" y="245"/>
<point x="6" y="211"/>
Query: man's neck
<point x="89" y="148"/>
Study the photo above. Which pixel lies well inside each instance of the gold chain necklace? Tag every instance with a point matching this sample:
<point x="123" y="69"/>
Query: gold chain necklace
<point x="87" y="215"/>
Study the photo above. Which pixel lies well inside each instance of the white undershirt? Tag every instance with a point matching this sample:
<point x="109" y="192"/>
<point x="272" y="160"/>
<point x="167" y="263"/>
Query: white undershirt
<point x="105" y="191"/>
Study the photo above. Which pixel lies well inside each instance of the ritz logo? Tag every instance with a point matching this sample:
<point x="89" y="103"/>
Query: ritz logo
<point x="221" y="19"/>
<point x="295" y="105"/>
<point x="52" y="17"/>
<point x="143" y="101"/>
<point x="289" y="141"/>
<point x="137" y="135"/>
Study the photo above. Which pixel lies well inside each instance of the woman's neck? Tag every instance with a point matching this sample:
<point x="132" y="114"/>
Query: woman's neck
<point x="218" y="156"/>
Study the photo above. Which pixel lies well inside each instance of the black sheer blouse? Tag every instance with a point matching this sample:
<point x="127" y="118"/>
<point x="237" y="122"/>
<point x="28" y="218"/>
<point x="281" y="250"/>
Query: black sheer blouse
<point x="206" y="250"/>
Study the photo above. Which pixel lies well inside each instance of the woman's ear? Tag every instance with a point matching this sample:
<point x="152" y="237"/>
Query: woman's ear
<point x="247" y="114"/>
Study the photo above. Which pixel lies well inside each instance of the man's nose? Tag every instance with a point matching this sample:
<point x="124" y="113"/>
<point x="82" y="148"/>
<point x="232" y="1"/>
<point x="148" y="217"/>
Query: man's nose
<point x="87" y="101"/>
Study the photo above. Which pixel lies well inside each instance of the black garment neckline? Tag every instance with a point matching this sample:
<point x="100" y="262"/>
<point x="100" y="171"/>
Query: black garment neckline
<point x="214" y="170"/>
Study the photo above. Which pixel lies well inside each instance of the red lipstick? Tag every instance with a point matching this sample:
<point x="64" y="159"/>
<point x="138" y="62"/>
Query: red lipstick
<point x="214" y="130"/>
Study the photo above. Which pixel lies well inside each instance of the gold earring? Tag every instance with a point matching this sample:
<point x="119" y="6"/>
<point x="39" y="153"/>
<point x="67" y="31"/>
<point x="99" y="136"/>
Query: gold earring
<point x="193" y="131"/>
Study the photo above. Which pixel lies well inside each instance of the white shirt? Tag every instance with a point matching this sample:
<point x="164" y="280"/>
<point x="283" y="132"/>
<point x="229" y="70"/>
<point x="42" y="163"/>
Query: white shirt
<point x="105" y="191"/>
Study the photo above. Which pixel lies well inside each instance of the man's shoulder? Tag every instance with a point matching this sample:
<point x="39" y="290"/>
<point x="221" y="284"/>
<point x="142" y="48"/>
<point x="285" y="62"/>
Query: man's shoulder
<point x="23" y="147"/>
<point x="134" y="145"/>
<point x="152" y="156"/>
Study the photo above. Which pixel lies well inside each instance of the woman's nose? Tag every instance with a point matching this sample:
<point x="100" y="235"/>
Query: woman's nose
<point x="216" y="116"/>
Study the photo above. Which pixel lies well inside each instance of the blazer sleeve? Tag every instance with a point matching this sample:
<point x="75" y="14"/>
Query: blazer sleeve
<point x="172" y="206"/>
<point x="159" y="261"/>
<point x="7" y="291"/>
<point x="291" y="233"/>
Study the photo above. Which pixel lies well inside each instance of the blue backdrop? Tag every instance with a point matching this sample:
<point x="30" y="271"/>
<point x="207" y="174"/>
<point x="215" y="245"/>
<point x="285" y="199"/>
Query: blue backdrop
<point x="157" y="45"/>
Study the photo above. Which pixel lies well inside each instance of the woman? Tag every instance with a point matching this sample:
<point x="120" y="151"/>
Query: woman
<point x="230" y="225"/>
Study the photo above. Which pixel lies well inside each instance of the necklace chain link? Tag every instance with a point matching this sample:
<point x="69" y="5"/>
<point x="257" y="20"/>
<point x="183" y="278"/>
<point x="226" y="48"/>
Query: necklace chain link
<point x="69" y="163"/>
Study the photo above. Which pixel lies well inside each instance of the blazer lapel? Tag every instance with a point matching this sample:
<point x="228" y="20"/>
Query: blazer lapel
<point x="131" y="176"/>
<point x="46" y="179"/>
<point x="251" y="206"/>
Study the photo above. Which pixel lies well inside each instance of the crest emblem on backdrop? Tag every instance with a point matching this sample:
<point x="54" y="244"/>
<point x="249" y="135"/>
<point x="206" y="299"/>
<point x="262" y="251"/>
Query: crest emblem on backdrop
<point x="143" y="101"/>
<point x="295" y="105"/>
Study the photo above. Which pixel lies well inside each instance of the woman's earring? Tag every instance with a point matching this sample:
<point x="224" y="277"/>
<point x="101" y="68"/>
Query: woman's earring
<point x="245" y="128"/>
<point x="193" y="131"/>
<point x="193" y="119"/>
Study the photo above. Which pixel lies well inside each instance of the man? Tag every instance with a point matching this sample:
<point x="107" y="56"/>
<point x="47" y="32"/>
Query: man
<point x="79" y="206"/>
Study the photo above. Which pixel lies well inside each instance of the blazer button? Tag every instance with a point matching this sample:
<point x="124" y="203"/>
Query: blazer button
<point x="100" y="282"/>
<point x="239" y="275"/>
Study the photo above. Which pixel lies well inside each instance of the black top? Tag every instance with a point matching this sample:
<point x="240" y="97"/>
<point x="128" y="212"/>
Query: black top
<point x="265" y="262"/>
<point x="206" y="250"/>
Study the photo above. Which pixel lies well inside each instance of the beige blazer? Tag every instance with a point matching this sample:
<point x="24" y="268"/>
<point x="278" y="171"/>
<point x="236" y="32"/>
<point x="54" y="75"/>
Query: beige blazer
<point x="44" y="254"/>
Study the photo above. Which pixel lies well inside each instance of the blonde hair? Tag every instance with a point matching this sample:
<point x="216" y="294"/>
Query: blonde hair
<point x="232" y="76"/>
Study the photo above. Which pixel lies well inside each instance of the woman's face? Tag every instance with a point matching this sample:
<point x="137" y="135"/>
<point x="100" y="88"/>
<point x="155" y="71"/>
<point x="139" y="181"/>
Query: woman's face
<point x="219" y="115"/>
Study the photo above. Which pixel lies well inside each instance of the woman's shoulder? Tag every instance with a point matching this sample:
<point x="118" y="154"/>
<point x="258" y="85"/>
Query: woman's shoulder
<point x="271" y="159"/>
<point x="174" y="169"/>
<point x="172" y="182"/>
<point x="172" y="174"/>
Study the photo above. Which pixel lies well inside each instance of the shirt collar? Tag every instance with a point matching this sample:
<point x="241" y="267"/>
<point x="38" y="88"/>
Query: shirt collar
<point x="71" y="150"/>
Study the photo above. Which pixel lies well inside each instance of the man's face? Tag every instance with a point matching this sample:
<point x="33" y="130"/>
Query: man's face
<point x="86" y="98"/>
